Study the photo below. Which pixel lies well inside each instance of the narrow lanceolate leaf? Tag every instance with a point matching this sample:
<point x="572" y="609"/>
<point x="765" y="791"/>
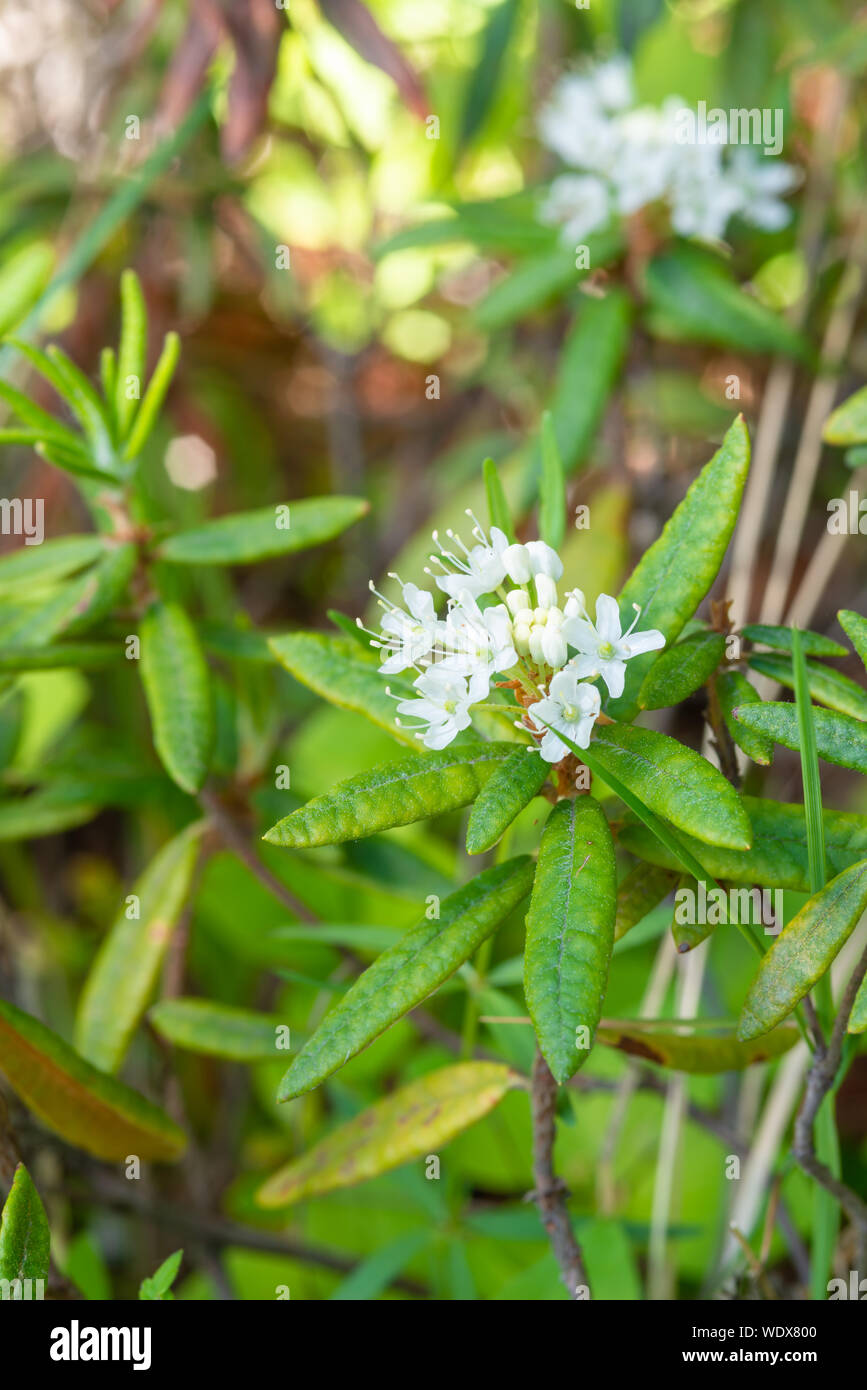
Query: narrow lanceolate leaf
<point x="154" y="396"/>
<point x="828" y="687"/>
<point x="570" y="933"/>
<point x="250" y="536"/>
<point x="504" y="795"/>
<point x="855" y="628"/>
<point x="102" y="591"/>
<point x="858" y="1017"/>
<point x="178" y="692"/>
<point x="804" y="950"/>
<point x="693" y="290"/>
<point x="682" y="669"/>
<point x="25" y="1240"/>
<point x="122" y="978"/>
<point x="686" y="1047"/>
<point x="675" y="574"/>
<point x="30" y="566"/>
<point x="417" y="1119"/>
<point x="780" y="638"/>
<point x="643" y="889"/>
<point x="848" y="423"/>
<point x="93" y="1111"/>
<point x="47" y="811"/>
<point x="778" y="857"/>
<point x="674" y="782"/>
<point x="395" y="793"/>
<point x="734" y="690"/>
<point x="220" y="1030"/>
<point x="498" y="508"/>
<point x="840" y="739"/>
<point x="552" y="490"/>
<point x="129" y="379"/>
<point x="337" y="669"/>
<point x="409" y="971"/>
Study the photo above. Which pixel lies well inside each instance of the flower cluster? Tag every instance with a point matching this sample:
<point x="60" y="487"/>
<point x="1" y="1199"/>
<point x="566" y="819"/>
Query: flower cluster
<point x="631" y="155"/>
<point x="503" y="619"/>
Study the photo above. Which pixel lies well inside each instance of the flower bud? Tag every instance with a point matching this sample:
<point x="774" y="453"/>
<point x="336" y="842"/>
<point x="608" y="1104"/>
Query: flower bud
<point x="526" y="616"/>
<point x="517" y="601"/>
<point x="546" y="591"/>
<point x="575" y="605"/>
<point x="544" y="560"/>
<point x="556" y="618"/>
<point x="517" y="562"/>
<point x="554" y="648"/>
<point x="536" y="651"/>
<point x="521" y="638"/>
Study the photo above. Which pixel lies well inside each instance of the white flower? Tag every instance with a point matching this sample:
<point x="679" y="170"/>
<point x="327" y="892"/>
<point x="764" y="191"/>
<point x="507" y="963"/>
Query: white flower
<point x="570" y="707"/>
<point x="580" y="202"/>
<point x="480" y="570"/>
<point x="604" y="649"/>
<point x="481" y="639"/>
<point x="758" y="183"/>
<point x="443" y="704"/>
<point x="612" y="82"/>
<point x="576" y="126"/>
<point x="409" y="637"/>
<point x="645" y="162"/>
<point x="523" y="562"/>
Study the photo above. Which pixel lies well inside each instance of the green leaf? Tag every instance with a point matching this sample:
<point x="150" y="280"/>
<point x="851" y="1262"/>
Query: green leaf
<point x="682" y="669"/>
<point x="812" y="643"/>
<point x="858" y="1017"/>
<point x="154" y="396"/>
<point x="158" y="1286"/>
<point x="498" y="508"/>
<point x="639" y="892"/>
<point x="552" y="491"/>
<point x="218" y="1030"/>
<point x="590" y="362"/>
<point x="840" y="739"/>
<point x="848" y="423"/>
<point x="417" y="1119"/>
<point x="250" y="536"/>
<point x="804" y="950"/>
<point x="825" y="685"/>
<point x="778" y="857"/>
<point x="733" y="690"/>
<point x="855" y="628"/>
<point x="511" y="787"/>
<point x="396" y="793"/>
<point x="132" y="351"/>
<point x="178" y="692"/>
<point x="31" y="566"/>
<point x="103" y="590"/>
<point x="25" y="1240"/>
<point x="570" y="933"/>
<point x="674" y="782"/>
<point x="93" y="1111"/>
<point x="693" y="291"/>
<point x="675" y="574"/>
<point x="82" y="656"/>
<point x="485" y="78"/>
<point x="40" y="421"/>
<point x="122" y="977"/>
<point x="409" y="972"/>
<point x="375" y="1273"/>
<point x="336" y="669"/>
<point x="55" y="807"/>
<point x="690" y="1047"/>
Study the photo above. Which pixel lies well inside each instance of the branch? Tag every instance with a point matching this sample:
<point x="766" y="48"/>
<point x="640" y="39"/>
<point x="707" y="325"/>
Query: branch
<point x="217" y="1231"/>
<point x="550" y="1192"/>
<point x="820" y="1079"/>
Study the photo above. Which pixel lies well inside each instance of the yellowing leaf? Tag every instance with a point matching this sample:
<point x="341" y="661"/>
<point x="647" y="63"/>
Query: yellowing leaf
<point x="85" y="1106"/>
<point x="418" y="1119"/>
